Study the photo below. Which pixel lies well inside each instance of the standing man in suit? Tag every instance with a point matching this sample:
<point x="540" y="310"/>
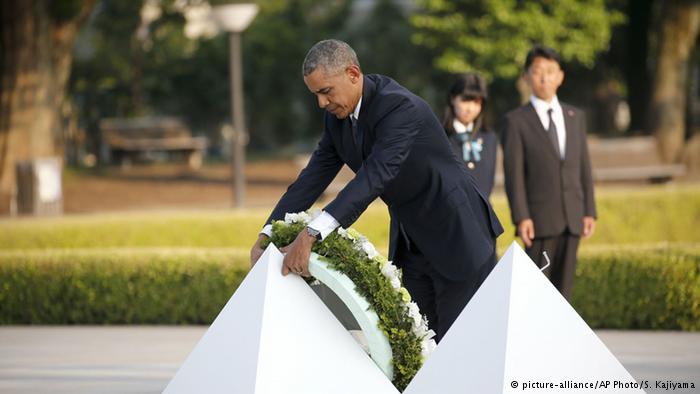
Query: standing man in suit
<point x="443" y="231"/>
<point x="548" y="171"/>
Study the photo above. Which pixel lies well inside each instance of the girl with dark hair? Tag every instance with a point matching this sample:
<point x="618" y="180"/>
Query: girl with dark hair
<point x="464" y="125"/>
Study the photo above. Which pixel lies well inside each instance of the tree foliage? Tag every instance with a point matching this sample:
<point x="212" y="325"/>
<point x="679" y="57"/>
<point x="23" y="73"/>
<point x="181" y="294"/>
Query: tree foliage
<point x="279" y="106"/>
<point x="493" y="36"/>
<point x="167" y="73"/>
<point x="382" y="44"/>
<point x="118" y="73"/>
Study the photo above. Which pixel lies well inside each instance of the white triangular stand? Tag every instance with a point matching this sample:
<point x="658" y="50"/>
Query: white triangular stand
<point x="275" y="336"/>
<point x="518" y="328"/>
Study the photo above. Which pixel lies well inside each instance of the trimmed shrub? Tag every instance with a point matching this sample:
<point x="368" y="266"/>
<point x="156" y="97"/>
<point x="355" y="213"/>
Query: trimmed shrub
<point x="652" y="288"/>
<point x="645" y="289"/>
<point x="117" y="288"/>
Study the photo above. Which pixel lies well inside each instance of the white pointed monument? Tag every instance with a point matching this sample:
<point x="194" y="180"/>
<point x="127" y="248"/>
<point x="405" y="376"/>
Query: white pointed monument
<point x="518" y="330"/>
<point x="275" y="336"/>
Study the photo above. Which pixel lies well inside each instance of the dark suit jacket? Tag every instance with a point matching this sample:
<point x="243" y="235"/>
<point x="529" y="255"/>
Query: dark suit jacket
<point x="484" y="171"/>
<point x="555" y="194"/>
<point x="407" y="161"/>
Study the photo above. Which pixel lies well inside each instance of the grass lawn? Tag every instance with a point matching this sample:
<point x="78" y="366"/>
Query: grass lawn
<point x="627" y="218"/>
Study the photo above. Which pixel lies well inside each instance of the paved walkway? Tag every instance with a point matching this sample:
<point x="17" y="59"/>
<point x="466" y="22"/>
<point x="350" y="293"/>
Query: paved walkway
<point x="142" y="359"/>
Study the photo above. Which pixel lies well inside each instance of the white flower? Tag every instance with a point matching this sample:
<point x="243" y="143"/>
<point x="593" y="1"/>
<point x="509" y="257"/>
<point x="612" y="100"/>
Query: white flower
<point x="301" y="217"/>
<point x="343" y="233"/>
<point x="370" y="250"/>
<point x="420" y="323"/>
<point x="389" y="271"/>
<point x="396" y="283"/>
<point x="414" y="313"/>
<point x="422" y="330"/>
<point x="427" y="347"/>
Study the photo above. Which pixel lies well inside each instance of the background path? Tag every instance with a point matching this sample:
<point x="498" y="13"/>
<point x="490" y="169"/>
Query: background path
<point x="142" y="359"/>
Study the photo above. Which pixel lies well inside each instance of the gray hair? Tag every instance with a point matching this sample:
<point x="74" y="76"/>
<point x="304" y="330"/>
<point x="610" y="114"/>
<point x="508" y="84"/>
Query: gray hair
<point x="331" y="55"/>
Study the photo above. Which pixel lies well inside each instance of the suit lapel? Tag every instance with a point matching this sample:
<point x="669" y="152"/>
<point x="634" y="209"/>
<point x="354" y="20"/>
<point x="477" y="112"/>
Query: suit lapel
<point x="538" y="129"/>
<point x="369" y="88"/>
<point x="569" y="117"/>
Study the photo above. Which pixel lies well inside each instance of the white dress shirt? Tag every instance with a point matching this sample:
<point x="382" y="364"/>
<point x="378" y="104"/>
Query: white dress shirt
<point x="541" y="107"/>
<point x="324" y="223"/>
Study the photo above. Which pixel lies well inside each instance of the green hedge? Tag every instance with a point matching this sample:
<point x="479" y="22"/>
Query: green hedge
<point x="656" y="288"/>
<point x="649" y="289"/>
<point x="114" y="288"/>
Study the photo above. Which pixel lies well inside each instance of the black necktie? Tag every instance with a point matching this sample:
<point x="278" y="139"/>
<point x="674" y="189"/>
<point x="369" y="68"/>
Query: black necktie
<point x="356" y="136"/>
<point x="552" y="131"/>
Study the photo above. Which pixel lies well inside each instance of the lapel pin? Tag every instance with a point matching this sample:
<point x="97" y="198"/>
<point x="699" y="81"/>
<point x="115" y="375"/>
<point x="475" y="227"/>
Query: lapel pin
<point x="570" y="112"/>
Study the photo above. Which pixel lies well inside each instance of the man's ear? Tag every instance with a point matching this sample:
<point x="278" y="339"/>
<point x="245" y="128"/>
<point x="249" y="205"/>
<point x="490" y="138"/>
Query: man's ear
<point x="353" y="72"/>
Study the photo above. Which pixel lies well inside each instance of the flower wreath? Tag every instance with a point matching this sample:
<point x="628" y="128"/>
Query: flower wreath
<point x="379" y="282"/>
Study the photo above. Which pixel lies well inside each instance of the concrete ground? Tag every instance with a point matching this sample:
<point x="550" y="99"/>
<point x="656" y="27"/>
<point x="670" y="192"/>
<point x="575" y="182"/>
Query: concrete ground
<point x="142" y="359"/>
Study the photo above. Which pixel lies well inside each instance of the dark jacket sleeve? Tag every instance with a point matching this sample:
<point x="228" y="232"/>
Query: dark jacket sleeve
<point x="514" y="170"/>
<point x="395" y="132"/>
<point x="489" y="162"/>
<point x="312" y="181"/>
<point x="586" y="176"/>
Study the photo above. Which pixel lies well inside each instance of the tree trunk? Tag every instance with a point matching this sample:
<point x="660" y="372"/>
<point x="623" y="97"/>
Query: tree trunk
<point x="37" y="44"/>
<point x="638" y="70"/>
<point x="677" y="37"/>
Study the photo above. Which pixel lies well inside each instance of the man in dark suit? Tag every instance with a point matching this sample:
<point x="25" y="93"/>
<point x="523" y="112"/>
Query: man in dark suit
<point x="443" y="231"/>
<point x="548" y="171"/>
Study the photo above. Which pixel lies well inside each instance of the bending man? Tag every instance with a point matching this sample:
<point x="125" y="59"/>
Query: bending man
<point x="443" y="230"/>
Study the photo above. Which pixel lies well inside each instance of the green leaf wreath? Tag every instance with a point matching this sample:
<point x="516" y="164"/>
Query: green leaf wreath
<point x="378" y="281"/>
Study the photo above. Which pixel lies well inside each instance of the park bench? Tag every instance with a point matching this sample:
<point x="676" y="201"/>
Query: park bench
<point x="630" y="159"/>
<point x="624" y="159"/>
<point x="145" y="139"/>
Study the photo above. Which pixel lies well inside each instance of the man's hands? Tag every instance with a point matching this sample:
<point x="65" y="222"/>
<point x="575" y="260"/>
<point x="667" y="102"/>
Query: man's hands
<point x="526" y="231"/>
<point x="588" y="226"/>
<point x="257" y="250"/>
<point x="297" y="254"/>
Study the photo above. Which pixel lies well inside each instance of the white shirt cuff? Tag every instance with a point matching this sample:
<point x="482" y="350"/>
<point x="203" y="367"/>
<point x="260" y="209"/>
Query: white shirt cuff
<point x="267" y="230"/>
<point x="325" y="224"/>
